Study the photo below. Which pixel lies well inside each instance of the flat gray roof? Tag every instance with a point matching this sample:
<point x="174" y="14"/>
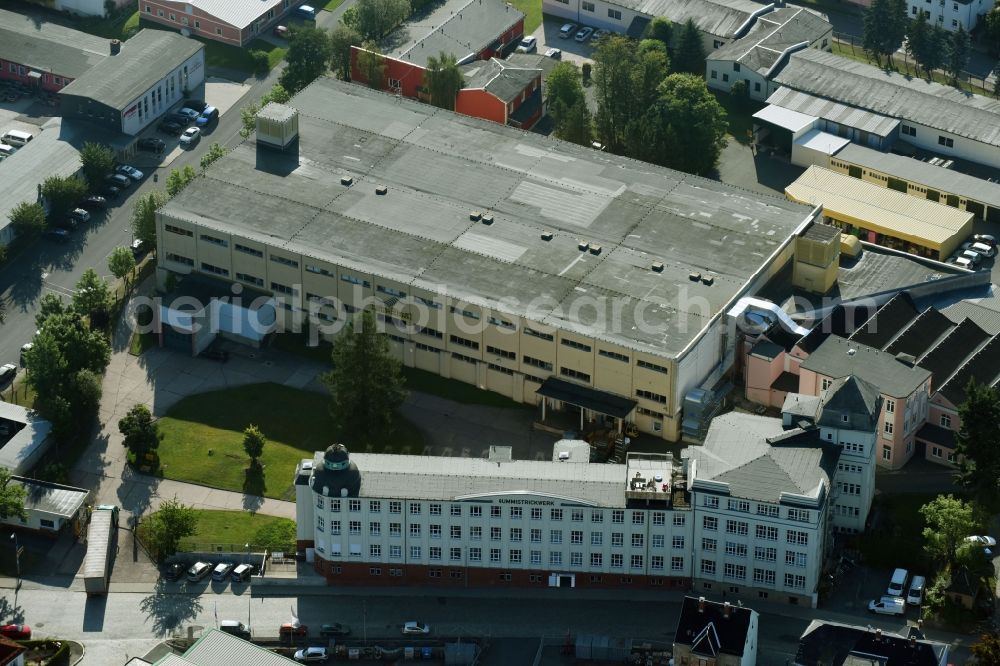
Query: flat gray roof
<point x="439" y="166"/>
<point x="144" y="59"/>
<point x="923" y="173"/>
<point x="892" y="94"/>
<point x="723" y="18"/>
<point x="498" y="77"/>
<point x="49" y="47"/>
<point x="838" y="357"/>
<point x="841" y="114"/>
<point x="460" y="28"/>
<point x="48" y="155"/>
<point x="385" y="475"/>
<point x="771" y="35"/>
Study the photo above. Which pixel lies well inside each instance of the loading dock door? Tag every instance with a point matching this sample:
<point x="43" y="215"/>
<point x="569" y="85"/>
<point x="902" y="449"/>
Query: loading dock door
<point x="562" y="580"/>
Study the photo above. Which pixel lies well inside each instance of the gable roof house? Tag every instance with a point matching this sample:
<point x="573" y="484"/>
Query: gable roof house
<point x="500" y="91"/>
<point x="834" y="644"/>
<point x="226" y="21"/>
<point x="715" y="634"/>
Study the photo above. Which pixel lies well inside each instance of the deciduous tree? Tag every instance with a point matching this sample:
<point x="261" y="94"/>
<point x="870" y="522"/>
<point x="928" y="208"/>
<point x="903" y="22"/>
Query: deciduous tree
<point x="214" y="152"/>
<point x="371" y="64"/>
<point x="171" y="523"/>
<point x="689" y="52"/>
<point x="918" y="39"/>
<point x="342" y="38"/>
<point x="614" y="60"/>
<point x="62" y="194"/>
<point x="178" y="179"/>
<point x="660" y="29"/>
<point x="444" y="80"/>
<point x="366" y="382"/>
<point x="12" y="497"/>
<point x="309" y="51"/>
<point x="374" y="19"/>
<point x="28" y="219"/>
<point x="97" y="162"/>
<point x="92" y="298"/>
<point x="977" y="443"/>
<point x="693" y="124"/>
<point x="121" y="263"/>
<point x="566" y="103"/>
<point x="987" y="649"/>
<point x="948" y="520"/>
<point x="885" y="24"/>
<point x="140" y="431"/>
<point x="253" y="444"/>
<point x="958" y="53"/>
<point x="143" y="219"/>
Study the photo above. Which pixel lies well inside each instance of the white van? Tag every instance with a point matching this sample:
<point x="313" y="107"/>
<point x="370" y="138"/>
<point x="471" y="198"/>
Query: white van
<point x="898" y="583"/>
<point x="888" y="606"/>
<point x="916" y="594"/>
<point x="16" y="138"/>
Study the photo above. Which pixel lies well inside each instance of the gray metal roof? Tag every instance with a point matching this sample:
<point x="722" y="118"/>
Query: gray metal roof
<point x="236" y="13"/>
<point x="772" y="35"/>
<point x="498" y="77"/>
<point x="460" y="28"/>
<point x="434" y="478"/>
<point x="22" y="451"/>
<point x="838" y="357"/>
<point x="217" y="648"/>
<point x="877" y="272"/>
<point x="49" y="47"/>
<point x="850" y="397"/>
<point x="923" y="173"/>
<point x="984" y="312"/>
<point x="144" y="60"/>
<point x="52" y="498"/>
<point x="841" y="114"/>
<point x="760" y="460"/>
<point x="868" y="87"/>
<point x="721" y="18"/>
<point x="439" y="165"/>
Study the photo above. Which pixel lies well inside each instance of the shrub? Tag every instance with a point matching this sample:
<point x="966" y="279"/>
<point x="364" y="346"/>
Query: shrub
<point x="260" y="62"/>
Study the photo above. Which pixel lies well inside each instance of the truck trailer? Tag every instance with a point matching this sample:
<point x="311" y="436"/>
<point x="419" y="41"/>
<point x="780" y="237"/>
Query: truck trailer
<point x="102" y="539"/>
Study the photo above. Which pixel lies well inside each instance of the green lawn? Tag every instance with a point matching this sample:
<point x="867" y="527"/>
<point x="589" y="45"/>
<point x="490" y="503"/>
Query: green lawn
<point x="116" y="27"/>
<point x="332" y="4"/>
<point x="451" y="389"/>
<point x="203" y="437"/>
<point x="140" y="343"/>
<point x="532" y="10"/>
<point x="228" y="527"/>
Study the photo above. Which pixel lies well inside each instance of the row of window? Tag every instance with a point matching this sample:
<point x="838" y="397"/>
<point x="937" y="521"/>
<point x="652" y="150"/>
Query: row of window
<point x="21" y="71"/>
<point x="761" y="532"/>
<point x="337" y="505"/>
<point x="763" y="509"/>
<point x="732" y="571"/>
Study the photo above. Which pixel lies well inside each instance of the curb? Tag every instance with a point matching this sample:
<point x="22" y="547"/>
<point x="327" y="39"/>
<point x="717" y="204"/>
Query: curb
<point x="83" y="652"/>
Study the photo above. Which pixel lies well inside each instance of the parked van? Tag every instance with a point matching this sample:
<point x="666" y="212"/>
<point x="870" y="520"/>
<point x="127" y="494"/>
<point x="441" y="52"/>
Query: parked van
<point x="888" y="606"/>
<point x="16" y="138"/>
<point x="242" y="573"/>
<point x="916" y="594"/>
<point x="306" y="12"/>
<point x="198" y="571"/>
<point x="236" y="628"/>
<point x="898" y="583"/>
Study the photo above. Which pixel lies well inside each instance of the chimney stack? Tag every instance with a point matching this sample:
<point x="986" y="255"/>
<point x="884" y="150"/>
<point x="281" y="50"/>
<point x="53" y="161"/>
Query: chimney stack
<point x="913" y="641"/>
<point x="727" y="610"/>
<point x="878" y="635"/>
<point x="701" y="604"/>
<point x="116" y="47"/>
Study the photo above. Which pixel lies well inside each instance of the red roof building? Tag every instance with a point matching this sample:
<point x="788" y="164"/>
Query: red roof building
<point x="502" y="92"/>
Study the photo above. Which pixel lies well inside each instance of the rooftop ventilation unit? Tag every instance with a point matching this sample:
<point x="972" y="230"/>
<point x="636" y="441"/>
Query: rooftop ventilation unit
<point x="595" y="249"/>
<point x="582" y="245"/>
<point x="657" y="267"/>
<point x="487" y="218"/>
<point x="381" y="190"/>
<point x="347" y="181"/>
<point x="708" y="280"/>
<point x="277" y="126"/>
<point x="546" y="235"/>
<point x="694" y="277"/>
<point x="474" y="216"/>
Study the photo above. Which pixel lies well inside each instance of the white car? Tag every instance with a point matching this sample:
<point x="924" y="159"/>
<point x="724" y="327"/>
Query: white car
<point x="567" y="30"/>
<point x="130" y="171"/>
<point x="555" y="54"/>
<point x="191" y="114"/>
<point x="190" y="137"/>
<point x="584" y="34"/>
<point x="600" y="32"/>
<point x="312" y="655"/>
<point x="984" y="541"/>
<point x="527" y="45"/>
<point x="416" y="629"/>
<point x="8" y="370"/>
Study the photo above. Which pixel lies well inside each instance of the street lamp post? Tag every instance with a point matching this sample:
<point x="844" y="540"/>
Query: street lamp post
<point x="17" y="557"/>
<point x="249" y="591"/>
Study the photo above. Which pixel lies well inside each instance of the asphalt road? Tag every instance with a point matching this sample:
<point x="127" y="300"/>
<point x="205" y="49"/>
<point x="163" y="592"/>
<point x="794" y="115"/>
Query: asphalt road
<point x="131" y="621"/>
<point x="46" y="266"/>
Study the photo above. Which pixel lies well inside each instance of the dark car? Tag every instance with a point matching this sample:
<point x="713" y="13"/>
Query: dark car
<point x="196" y="104"/>
<point x="174" y="572"/>
<point x="335" y="629"/>
<point x="58" y="235"/>
<point x="93" y="202"/>
<point x="69" y="224"/>
<point x="111" y="191"/>
<point x="118" y="180"/>
<point x="179" y="119"/>
<point x="152" y="145"/>
<point x="170" y="127"/>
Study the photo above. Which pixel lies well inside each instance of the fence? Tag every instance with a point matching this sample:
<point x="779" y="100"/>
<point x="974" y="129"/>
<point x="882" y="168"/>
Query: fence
<point x="851" y="46"/>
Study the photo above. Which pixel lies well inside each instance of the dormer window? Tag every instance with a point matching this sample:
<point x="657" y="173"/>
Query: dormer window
<point x="844" y="418"/>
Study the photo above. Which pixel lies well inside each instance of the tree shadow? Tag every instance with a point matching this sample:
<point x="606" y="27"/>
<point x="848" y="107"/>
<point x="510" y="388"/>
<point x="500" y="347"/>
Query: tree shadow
<point x="253" y="488"/>
<point x="11" y="612"/>
<point x="169" y="611"/>
<point x="136" y="491"/>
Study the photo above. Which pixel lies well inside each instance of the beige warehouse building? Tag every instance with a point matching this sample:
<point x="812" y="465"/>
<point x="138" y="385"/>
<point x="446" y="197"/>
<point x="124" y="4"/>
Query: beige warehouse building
<point x="513" y="262"/>
<point x="883" y="216"/>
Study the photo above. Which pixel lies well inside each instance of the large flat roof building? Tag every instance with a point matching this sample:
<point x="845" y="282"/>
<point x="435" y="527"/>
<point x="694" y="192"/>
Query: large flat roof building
<point x="520" y="256"/>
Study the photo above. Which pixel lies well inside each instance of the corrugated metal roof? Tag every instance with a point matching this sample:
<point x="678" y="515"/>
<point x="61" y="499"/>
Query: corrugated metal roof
<point x="868" y="87"/>
<point x="722" y="18"/>
<point x="923" y="173"/>
<point x="51" y="498"/>
<point x="841" y="114"/>
<point x="771" y="35"/>
<point x="217" y="648"/>
<point x="21" y="451"/>
<point x="786" y="118"/>
<point x="238" y="13"/>
<point x="887" y="211"/>
<point x="101" y="529"/>
<point x="422" y="477"/>
<point x="49" y="47"/>
<point x="987" y="318"/>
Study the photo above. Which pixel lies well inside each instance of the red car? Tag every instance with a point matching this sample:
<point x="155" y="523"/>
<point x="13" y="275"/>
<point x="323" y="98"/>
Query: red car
<point x="293" y="629"/>
<point x="18" y="632"/>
